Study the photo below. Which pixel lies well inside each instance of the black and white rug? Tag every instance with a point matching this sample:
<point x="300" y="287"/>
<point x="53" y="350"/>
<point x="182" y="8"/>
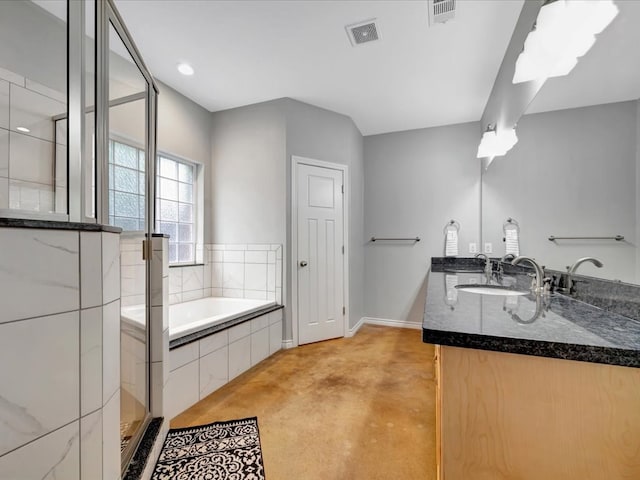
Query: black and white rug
<point x="218" y="451"/>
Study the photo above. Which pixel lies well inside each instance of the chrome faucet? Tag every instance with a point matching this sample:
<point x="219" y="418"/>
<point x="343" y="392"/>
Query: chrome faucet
<point x="508" y="256"/>
<point x="580" y="261"/>
<point x="572" y="269"/>
<point x="539" y="285"/>
<point x="487" y="264"/>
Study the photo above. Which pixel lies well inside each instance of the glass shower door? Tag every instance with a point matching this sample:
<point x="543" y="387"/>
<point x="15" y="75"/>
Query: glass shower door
<point x="127" y="170"/>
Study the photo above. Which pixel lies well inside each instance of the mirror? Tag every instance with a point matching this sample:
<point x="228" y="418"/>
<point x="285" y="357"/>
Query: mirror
<point x="33" y="108"/>
<point x="575" y="171"/>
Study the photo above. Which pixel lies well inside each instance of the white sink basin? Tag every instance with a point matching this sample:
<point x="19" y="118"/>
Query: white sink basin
<point x="490" y="290"/>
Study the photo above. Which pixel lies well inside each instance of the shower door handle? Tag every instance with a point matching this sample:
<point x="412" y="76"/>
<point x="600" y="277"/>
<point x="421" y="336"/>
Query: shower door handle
<point x="303" y="263"/>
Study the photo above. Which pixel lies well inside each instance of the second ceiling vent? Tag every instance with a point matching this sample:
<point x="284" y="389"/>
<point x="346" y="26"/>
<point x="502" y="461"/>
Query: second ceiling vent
<point x="441" y="11"/>
<point x="363" y="32"/>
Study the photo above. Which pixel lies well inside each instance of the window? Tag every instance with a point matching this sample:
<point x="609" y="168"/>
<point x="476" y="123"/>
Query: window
<point x="176" y="183"/>
<point x="175" y="207"/>
<point x="126" y="186"/>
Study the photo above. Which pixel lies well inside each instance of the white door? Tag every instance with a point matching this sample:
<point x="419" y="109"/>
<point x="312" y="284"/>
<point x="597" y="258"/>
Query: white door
<point x="320" y="259"/>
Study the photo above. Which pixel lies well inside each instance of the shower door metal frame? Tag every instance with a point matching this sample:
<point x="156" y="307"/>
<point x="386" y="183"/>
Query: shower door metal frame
<point x="107" y="15"/>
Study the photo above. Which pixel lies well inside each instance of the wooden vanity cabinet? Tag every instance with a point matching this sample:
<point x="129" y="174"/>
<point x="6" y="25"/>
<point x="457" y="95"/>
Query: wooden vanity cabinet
<point x="503" y="416"/>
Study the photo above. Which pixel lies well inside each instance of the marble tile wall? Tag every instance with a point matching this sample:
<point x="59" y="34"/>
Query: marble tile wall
<point x="59" y="354"/>
<point x="30" y="177"/>
<point x="240" y="271"/>
<point x="200" y="368"/>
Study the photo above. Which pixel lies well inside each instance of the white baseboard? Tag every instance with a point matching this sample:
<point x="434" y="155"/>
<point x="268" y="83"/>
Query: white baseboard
<point x="286" y="344"/>
<point x="353" y="330"/>
<point x="386" y="322"/>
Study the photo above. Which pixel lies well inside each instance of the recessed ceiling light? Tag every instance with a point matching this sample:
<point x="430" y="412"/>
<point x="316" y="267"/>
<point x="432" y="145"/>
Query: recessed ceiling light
<point x="185" y="69"/>
<point x="23" y="129"/>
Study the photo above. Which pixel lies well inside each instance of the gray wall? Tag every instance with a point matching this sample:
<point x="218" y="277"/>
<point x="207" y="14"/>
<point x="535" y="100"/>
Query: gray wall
<point x="248" y="174"/>
<point x="416" y="181"/>
<point x="251" y="178"/>
<point x="320" y="134"/>
<point x="572" y="173"/>
<point x="637" y="204"/>
<point x="184" y="130"/>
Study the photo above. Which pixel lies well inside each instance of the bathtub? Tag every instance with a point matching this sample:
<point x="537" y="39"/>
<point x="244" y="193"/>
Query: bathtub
<point x="196" y="315"/>
<point x="189" y="317"/>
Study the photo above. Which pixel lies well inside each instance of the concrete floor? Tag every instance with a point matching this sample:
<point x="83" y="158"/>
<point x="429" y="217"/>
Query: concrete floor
<point x="346" y="409"/>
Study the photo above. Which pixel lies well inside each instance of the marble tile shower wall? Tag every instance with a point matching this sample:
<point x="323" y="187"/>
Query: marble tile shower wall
<point x="30" y="178"/>
<point x="133" y="269"/>
<point x="59" y="354"/>
<point x="230" y="270"/>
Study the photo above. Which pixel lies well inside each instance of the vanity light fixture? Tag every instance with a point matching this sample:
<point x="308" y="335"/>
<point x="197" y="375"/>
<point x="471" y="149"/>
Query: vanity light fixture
<point x="23" y="129"/>
<point x="564" y="31"/>
<point x="496" y="144"/>
<point x="185" y="69"/>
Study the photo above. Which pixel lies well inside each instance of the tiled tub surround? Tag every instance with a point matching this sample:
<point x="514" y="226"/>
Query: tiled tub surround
<point x="209" y="314"/>
<point x="30" y="177"/>
<point x="567" y="329"/>
<point x="199" y="368"/>
<point x="60" y="352"/>
<point x="251" y="271"/>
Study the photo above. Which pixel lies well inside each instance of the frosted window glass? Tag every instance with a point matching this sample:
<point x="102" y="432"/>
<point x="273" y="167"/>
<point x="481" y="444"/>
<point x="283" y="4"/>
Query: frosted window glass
<point x="185" y="252"/>
<point x="141" y="208"/>
<point x="168" y="168"/>
<point x="168" y="189"/>
<point x="141" y="165"/>
<point x="141" y="183"/>
<point x="126" y="205"/>
<point x="173" y="253"/>
<point x="127" y="224"/>
<point x="111" y="177"/>
<point x="111" y="208"/>
<point x="125" y="155"/>
<point x="169" y="229"/>
<point x="185" y="173"/>
<point x="168" y="210"/>
<point x="186" y="213"/>
<point x="126" y="180"/>
<point x="186" y="232"/>
<point x="186" y="193"/>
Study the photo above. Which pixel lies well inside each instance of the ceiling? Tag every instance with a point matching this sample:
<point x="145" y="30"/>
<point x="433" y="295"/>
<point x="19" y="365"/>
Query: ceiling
<point x="246" y="52"/>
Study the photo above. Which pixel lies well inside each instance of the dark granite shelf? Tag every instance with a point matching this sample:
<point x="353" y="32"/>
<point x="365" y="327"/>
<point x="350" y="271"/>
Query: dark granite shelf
<point x="56" y="225"/>
<point x="551" y="325"/>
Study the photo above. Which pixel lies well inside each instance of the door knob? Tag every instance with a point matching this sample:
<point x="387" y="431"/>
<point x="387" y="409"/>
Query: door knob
<point x="303" y="263"/>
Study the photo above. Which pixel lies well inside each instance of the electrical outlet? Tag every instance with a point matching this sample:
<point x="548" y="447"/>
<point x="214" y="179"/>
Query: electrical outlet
<point x="488" y="248"/>
<point x="473" y="247"/>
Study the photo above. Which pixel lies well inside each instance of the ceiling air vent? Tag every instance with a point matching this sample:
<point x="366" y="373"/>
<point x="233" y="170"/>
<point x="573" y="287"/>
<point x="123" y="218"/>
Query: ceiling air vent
<point x="363" y="32"/>
<point x="441" y="10"/>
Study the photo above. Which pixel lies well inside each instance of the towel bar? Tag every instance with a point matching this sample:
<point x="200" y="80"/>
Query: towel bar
<point x="617" y="238"/>
<point x="408" y="239"/>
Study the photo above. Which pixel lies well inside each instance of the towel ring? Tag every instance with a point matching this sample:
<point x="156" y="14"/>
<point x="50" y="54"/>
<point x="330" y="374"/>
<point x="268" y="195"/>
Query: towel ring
<point x="451" y="225"/>
<point x="510" y="221"/>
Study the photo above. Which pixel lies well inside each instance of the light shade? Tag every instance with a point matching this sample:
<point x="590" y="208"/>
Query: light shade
<point x="185" y="69"/>
<point x="497" y="144"/>
<point x="565" y="31"/>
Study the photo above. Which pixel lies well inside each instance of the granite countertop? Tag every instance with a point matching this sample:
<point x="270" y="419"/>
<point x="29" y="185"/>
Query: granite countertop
<point x="551" y="325"/>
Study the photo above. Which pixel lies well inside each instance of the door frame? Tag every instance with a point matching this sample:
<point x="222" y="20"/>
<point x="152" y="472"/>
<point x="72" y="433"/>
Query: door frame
<point x="295" y="161"/>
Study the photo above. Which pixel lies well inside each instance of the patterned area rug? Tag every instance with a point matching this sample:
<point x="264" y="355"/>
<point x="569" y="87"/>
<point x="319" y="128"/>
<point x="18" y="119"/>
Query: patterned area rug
<point x="218" y="451"/>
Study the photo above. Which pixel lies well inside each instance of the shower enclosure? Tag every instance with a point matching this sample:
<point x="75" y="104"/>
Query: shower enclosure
<point x="78" y="144"/>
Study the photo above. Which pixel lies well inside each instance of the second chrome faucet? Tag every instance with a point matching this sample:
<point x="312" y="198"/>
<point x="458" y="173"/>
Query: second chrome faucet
<point x="540" y="285"/>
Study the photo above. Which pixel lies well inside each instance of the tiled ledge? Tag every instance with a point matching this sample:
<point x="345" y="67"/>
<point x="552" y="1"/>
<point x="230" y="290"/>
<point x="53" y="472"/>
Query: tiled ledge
<point x="56" y="225"/>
